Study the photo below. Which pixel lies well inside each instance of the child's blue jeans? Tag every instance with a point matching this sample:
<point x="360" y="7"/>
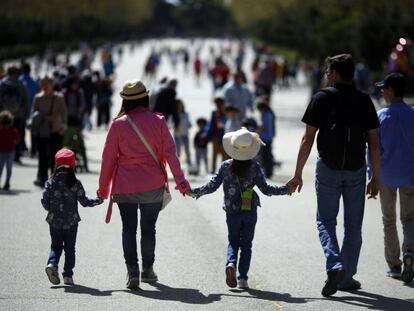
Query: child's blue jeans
<point x="241" y="226"/>
<point x="6" y="158"/>
<point x="63" y="239"/>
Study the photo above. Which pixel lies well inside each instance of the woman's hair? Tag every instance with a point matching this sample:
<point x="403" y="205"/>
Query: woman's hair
<point x="70" y="179"/>
<point x="6" y="118"/>
<point x="239" y="168"/>
<point x="130" y="104"/>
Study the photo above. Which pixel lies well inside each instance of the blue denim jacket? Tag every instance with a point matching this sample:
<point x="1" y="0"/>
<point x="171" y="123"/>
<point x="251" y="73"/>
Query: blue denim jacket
<point x="62" y="202"/>
<point x="232" y="190"/>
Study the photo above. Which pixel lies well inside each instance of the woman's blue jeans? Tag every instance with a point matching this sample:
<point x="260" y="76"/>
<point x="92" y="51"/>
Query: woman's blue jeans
<point x="241" y="226"/>
<point x="330" y="186"/>
<point x="129" y="215"/>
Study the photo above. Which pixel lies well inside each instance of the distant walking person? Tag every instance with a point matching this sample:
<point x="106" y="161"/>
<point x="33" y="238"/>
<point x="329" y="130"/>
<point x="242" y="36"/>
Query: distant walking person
<point x="346" y="120"/>
<point x="166" y="102"/>
<point x="200" y="145"/>
<point x="396" y="136"/>
<point x="9" y="137"/>
<point x="60" y="200"/>
<point x="138" y="180"/>
<point x="181" y="133"/>
<point x="239" y="175"/>
<point x="13" y="97"/>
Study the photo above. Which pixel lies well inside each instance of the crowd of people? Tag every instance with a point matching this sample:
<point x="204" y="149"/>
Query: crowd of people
<point x="139" y="144"/>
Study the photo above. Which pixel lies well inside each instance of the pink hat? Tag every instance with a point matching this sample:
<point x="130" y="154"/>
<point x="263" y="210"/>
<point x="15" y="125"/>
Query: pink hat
<point x="65" y="157"/>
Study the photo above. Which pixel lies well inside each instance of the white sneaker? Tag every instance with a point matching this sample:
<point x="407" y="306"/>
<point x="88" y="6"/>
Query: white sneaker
<point x="242" y="284"/>
<point x="68" y="280"/>
<point x="52" y="274"/>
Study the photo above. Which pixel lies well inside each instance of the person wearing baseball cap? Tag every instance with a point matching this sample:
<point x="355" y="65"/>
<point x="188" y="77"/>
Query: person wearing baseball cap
<point x="239" y="175"/>
<point x="60" y="199"/>
<point x="396" y="137"/>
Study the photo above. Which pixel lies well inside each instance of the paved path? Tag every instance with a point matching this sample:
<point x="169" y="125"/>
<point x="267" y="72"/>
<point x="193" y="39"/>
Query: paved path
<point x="287" y="270"/>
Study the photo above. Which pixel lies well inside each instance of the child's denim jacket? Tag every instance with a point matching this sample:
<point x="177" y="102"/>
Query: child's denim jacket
<point x="232" y="190"/>
<point x="62" y="202"/>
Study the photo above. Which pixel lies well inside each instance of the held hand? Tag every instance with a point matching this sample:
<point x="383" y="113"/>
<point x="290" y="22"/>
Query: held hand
<point x="190" y="193"/>
<point x="183" y="187"/>
<point x="372" y="188"/>
<point x="296" y="182"/>
<point x="291" y="188"/>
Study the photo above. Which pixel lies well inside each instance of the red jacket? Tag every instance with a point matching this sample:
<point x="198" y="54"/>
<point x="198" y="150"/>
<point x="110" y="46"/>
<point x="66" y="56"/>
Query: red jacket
<point x="128" y="165"/>
<point x="9" y="137"/>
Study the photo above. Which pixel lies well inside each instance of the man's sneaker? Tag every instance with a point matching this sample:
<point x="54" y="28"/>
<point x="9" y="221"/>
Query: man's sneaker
<point x="148" y="275"/>
<point x="6" y="186"/>
<point x="132" y="278"/>
<point x="331" y="284"/>
<point x="394" y="272"/>
<point x="52" y="274"/>
<point x="68" y="280"/>
<point x="408" y="270"/>
<point x="242" y="284"/>
<point x="231" y="279"/>
<point x="353" y="285"/>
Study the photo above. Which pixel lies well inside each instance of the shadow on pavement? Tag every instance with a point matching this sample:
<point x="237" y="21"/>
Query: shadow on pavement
<point x="185" y="295"/>
<point x="80" y="289"/>
<point x="270" y="296"/>
<point x="376" y="302"/>
<point x="14" y="191"/>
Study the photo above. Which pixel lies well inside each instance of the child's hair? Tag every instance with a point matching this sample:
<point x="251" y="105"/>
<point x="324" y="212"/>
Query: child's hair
<point x="239" y="168"/>
<point x="180" y="106"/>
<point x="201" y="122"/>
<point x="70" y="179"/>
<point x="6" y="118"/>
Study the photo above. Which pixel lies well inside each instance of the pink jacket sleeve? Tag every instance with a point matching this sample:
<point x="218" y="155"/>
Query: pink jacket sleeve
<point x="109" y="162"/>
<point x="169" y="154"/>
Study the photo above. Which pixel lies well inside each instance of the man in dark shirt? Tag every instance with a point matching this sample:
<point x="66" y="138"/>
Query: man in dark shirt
<point x="166" y="102"/>
<point x="347" y="121"/>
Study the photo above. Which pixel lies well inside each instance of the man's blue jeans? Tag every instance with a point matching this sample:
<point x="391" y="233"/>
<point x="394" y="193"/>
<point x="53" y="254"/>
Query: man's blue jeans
<point x="241" y="227"/>
<point x="330" y="186"/>
<point x="63" y="239"/>
<point x="129" y="215"/>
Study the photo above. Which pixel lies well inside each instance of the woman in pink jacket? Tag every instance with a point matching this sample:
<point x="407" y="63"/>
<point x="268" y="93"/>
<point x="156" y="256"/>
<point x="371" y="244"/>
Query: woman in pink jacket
<point x="138" y="181"/>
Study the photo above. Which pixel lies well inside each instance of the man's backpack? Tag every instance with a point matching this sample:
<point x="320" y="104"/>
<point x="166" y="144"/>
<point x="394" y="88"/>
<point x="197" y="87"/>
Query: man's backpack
<point x="10" y="98"/>
<point x="343" y="137"/>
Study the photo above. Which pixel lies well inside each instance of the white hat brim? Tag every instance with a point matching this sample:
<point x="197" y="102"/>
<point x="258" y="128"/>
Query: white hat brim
<point x="240" y="154"/>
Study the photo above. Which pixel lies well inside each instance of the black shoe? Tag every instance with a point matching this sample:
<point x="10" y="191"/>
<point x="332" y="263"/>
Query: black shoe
<point x="408" y="270"/>
<point x="354" y="285"/>
<point x="394" y="272"/>
<point x="148" y="275"/>
<point x="331" y="284"/>
<point x="6" y="186"/>
<point x="132" y="277"/>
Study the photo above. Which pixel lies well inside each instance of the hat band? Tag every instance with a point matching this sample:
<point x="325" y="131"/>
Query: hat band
<point x="134" y="94"/>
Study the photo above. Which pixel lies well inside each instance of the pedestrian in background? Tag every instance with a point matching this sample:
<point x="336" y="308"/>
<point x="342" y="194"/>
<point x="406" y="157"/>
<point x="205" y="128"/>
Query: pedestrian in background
<point x="181" y="136"/>
<point x="51" y="126"/>
<point x="396" y="137"/>
<point x="239" y="175"/>
<point x="346" y="120"/>
<point x="215" y="132"/>
<point x="200" y="145"/>
<point x="9" y="137"/>
<point x="60" y="200"/>
<point x="267" y="133"/>
<point x="138" y="180"/>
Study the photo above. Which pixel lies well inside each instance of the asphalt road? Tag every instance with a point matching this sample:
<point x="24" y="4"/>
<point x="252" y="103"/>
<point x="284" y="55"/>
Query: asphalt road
<point x="287" y="270"/>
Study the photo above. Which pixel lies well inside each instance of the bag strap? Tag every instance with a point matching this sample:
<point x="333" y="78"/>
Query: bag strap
<point x="142" y="137"/>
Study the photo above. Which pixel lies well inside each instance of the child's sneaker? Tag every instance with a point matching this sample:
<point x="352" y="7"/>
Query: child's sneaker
<point x="242" y="284"/>
<point x="408" y="268"/>
<point x="68" y="280"/>
<point x="52" y="274"/>
<point x="231" y="280"/>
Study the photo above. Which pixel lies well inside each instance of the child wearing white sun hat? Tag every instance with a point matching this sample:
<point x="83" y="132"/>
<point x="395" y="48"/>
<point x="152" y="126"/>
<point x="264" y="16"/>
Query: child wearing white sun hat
<point x="239" y="175"/>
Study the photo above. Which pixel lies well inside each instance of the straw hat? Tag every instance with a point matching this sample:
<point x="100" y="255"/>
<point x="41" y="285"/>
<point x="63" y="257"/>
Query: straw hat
<point x="133" y="89"/>
<point x="242" y="144"/>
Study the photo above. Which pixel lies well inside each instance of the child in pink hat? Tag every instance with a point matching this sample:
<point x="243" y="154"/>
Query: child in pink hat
<point x="60" y="199"/>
